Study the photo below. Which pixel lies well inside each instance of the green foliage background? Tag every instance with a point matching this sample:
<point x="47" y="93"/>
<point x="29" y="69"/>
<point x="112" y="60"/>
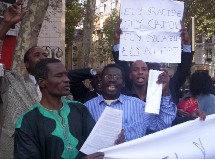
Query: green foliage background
<point x="204" y="13"/>
<point x="105" y="40"/>
<point x="75" y="12"/>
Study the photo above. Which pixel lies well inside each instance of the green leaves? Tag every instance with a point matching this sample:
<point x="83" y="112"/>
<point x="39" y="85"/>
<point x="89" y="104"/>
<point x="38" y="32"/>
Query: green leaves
<point x="105" y="40"/>
<point x="74" y="14"/>
<point x="204" y="12"/>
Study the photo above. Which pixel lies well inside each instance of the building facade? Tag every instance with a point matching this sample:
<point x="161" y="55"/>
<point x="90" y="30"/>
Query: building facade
<point x="204" y="56"/>
<point x="104" y="9"/>
<point x="52" y="33"/>
<point x="51" y="37"/>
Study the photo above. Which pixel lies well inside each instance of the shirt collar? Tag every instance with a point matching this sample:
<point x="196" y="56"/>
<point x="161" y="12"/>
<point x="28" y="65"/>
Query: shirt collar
<point x="120" y="99"/>
<point x="33" y="79"/>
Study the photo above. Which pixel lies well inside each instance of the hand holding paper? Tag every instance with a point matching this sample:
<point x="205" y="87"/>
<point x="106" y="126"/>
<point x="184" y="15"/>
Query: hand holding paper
<point x="105" y="132"/>
<point x="97" y="155"/>
<point x="163" y="78"/>
<point x="121" y="137"/>
<point x="154" y="91"/>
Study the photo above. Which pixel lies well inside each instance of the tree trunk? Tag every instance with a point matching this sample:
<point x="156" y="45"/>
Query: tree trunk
<point x="29" y="31"/>
<point x="88" y="27"/>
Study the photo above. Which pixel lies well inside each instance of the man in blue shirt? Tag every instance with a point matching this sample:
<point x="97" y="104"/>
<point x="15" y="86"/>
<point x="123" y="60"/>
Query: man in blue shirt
<point x="135" y="120"/>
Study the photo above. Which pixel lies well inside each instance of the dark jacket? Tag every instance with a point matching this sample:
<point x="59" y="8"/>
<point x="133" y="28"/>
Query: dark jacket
<point x="79" y="91"/>
<point x="180" y="76"/>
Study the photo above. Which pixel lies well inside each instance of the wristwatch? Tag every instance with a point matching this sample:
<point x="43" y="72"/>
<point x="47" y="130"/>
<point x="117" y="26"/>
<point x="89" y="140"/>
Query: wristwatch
<point x="93" y="72"/>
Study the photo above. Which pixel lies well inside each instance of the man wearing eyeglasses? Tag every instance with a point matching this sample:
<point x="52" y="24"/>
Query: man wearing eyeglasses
<point x="135" y="120"/>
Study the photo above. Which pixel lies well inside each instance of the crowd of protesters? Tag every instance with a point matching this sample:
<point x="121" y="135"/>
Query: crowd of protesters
<point x="37" y="121"/>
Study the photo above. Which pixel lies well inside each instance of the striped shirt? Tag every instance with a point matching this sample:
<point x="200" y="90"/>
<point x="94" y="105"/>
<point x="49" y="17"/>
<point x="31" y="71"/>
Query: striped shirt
<point x="135" y="120"/>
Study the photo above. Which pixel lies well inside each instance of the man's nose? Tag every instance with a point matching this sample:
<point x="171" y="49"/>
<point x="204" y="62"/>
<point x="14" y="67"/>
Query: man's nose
<point x="112" y="79"/>
<point x="66" y="79"/>
<point x="140" y="72"/>
<point x="42" y="56"/>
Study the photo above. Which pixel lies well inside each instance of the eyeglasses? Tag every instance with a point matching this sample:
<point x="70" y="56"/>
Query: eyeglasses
<point x="112" y="77"/>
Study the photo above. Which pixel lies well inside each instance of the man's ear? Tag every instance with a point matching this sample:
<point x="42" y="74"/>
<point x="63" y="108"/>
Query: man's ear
<point x="26" y="65"/>
<point x="41" y="82"/>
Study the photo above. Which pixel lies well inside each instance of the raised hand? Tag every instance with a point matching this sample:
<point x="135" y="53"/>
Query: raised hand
<point x="12" y="14"/>
<point x="118" y="31"/>
<point x="185" y="39"/>
<point x="164" y="79"/>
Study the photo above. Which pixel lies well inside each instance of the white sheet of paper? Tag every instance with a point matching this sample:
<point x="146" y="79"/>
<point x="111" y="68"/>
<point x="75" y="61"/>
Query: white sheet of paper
<point x="151" y="30"/>
<point x="154" y="92"/>
<point x="190" y="140"/>
<point x="105" y="132"/>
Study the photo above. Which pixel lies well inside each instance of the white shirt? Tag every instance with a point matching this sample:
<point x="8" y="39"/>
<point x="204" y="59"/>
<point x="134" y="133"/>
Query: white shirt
<point x="37" y="86"/>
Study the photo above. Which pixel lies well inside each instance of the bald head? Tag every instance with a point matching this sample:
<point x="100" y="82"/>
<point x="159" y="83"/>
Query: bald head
<point x="32" y="56"/>
<point x="139" y="63"/>
<point x="139" y="73"/>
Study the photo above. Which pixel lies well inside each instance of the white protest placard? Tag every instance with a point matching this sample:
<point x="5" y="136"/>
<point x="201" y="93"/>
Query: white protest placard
<point x="150" y="30"/>
<point x="190" y="140"/>
<point x="105" y="132"/>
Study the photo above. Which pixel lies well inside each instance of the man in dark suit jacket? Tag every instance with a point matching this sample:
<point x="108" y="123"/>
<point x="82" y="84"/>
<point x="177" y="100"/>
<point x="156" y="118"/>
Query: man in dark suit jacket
<point x="78" y="89"/>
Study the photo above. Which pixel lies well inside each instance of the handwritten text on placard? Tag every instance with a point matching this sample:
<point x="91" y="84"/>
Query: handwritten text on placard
<point x="151" y="30"/>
